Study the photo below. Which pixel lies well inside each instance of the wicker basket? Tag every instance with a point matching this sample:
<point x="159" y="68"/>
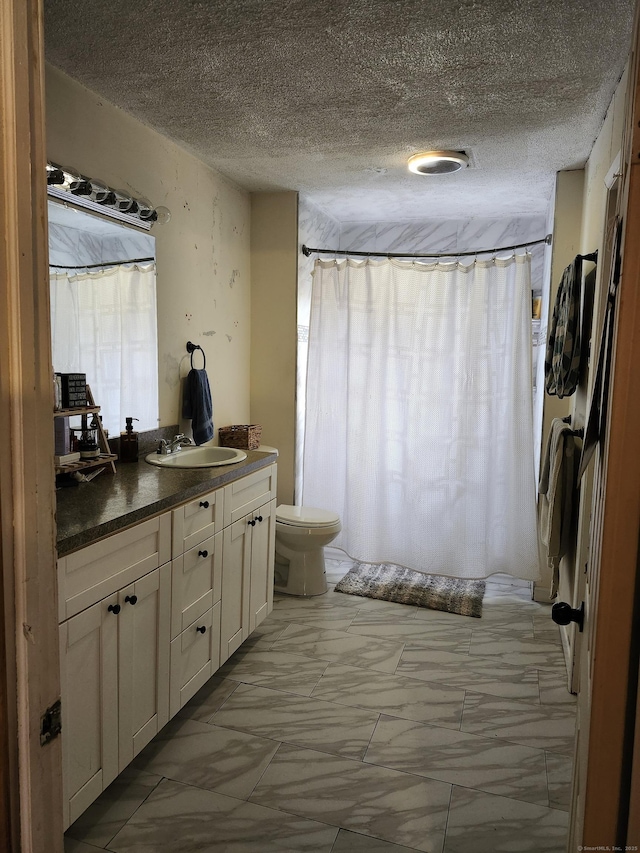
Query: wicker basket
<point x="242" y="436"/>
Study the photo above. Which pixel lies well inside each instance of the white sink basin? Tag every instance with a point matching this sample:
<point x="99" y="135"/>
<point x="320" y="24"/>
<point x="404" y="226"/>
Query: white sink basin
<point x="197" y="457"/>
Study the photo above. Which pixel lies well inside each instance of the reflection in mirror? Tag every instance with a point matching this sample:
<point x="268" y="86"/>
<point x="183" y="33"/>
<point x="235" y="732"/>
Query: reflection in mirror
<point x="103" y="312"/>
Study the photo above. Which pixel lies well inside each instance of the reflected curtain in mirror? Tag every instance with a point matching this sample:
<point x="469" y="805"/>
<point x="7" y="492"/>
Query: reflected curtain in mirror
<point x="104" y="324"/>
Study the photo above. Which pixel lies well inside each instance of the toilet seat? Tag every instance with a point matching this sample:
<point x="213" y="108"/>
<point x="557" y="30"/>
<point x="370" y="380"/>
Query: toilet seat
<point x="300" y="516"/>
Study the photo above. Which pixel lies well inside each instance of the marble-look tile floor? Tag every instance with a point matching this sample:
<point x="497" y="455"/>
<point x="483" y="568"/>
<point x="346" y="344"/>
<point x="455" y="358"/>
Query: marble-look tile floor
<point x="349" y="724"/>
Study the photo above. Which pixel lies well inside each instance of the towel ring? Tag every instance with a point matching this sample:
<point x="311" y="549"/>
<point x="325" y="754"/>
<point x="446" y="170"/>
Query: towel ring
<point x="191" y="348"/>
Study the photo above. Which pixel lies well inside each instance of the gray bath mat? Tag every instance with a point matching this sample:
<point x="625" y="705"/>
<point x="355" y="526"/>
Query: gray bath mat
<point x="405" y="586"/>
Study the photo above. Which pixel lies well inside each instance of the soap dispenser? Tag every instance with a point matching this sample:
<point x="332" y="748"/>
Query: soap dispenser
<point x="129" y="443"/>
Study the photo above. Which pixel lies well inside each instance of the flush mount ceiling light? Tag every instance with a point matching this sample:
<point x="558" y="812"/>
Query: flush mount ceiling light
<point x="438" y="162"/>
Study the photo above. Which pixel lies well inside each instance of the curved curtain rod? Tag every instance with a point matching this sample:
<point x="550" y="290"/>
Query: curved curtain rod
<point x="103" y="264"/>
<point x="307" y="251"/>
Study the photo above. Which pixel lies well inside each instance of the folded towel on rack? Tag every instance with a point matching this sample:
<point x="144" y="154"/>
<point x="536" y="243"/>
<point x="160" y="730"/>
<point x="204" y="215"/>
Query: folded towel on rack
<point x="556" y="494"/>
<point x="197" y="405"/>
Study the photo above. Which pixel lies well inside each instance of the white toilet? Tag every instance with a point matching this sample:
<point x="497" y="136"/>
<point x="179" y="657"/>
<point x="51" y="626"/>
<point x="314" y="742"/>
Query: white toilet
<point x="301" y="535"/>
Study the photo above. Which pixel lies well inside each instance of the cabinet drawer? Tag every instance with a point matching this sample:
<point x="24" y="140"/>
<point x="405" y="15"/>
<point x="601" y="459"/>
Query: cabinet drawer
<point x="196" y="583"/>
<point x="98" y="570"/>
<point x="195" y="656"/>
<point x="249" y="493"/>
<point x="196" y="521"/>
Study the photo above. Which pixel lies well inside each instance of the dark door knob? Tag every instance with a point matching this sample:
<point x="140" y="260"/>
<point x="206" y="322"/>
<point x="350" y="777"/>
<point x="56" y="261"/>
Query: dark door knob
<point x="204" y="504"/>
<point x="252" y="522"/>
<point x="563" y="613"/>
<point x="132" y="599"/>
<point x="202" y="629"/>
<point x="259" y="518"/>
<point x="114" y="608"/>
<point x="203" y="553"/>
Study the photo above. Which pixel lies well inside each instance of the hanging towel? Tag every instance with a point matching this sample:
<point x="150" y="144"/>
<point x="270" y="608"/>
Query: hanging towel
<point x="197" y="406"/>
<point x="562" y="357"/>
<point x="556" y="490"/>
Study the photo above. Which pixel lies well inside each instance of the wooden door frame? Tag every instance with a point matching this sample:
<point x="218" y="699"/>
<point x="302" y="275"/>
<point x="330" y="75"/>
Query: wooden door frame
<point x="30" y="780"/>
<point x="601" y="816"/>
<point x="31" y="808"/>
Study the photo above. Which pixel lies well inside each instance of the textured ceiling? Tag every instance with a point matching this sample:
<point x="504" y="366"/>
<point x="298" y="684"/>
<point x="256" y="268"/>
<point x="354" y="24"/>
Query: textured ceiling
<point x="330" y="98"/>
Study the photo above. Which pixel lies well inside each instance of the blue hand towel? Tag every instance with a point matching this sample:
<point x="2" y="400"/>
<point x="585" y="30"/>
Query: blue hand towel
<point x="197" y="406"/>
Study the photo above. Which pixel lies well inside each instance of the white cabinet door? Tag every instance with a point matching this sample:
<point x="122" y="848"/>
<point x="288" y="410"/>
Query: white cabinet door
<point x="247" y="576"/>
<point x="263" y="535"/>
<point x="143" y="651"/>
<point x="89" y="686"/>
<point x="114" y="662"/>
<point x="236" y="569"/>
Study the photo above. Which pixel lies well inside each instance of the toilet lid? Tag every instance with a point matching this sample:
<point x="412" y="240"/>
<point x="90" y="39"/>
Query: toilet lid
<point x="305" y="516"/>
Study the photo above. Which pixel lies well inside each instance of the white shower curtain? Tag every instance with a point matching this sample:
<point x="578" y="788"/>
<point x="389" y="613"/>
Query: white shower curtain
<point x="104" y="324"/>
<point x="419" y="414"/>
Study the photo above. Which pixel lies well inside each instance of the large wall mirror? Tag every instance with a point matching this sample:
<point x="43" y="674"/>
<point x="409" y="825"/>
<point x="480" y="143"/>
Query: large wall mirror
<point x="103" y="312"/>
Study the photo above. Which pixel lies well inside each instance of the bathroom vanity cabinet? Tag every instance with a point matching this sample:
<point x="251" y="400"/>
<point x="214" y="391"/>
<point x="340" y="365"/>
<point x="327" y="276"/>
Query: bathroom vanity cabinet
<point x="148" y="614"/>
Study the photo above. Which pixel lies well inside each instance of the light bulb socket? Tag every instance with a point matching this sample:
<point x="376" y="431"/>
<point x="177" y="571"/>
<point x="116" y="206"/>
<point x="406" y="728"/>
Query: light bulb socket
<point x="55" y="176"/>
<point x="108" y="197"/>
<point x="162" y="215"/>
<point x="81" y="186"/>
<point x="124" y="203"/>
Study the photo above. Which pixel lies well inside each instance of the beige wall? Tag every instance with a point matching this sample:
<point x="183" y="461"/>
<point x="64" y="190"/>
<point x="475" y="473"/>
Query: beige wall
<point x="203" y="253"/>
<point x="274" y="264"/>
<point x="566" y="245"/>
<point x="607" y="145"/>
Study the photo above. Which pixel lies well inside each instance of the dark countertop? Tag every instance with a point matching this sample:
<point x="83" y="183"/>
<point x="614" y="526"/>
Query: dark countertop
<point x="137" y="491"/>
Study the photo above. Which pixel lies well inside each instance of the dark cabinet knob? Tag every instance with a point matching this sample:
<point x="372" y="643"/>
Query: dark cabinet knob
<point x="252" y="522"/>
<point x="132" y="599"/>
<point x="202" y="629"/>
<point x="204" y="504"/>
<point x="203" y="553"/>
<point x="259" y="518"/>
<point x="114" y="608"/>
<point x="563" y="613"/>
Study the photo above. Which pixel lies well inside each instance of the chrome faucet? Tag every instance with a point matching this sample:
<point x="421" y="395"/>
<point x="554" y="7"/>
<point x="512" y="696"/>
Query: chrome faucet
<point x="166" y="447"/>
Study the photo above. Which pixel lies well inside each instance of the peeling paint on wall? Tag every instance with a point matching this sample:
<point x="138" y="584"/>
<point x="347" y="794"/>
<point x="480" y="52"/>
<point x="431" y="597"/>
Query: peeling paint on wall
<point x="171" y="370"/>
<point x="234" y="276"/>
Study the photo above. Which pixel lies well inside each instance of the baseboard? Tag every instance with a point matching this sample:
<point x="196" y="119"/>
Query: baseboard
<point x="541" y="595"/>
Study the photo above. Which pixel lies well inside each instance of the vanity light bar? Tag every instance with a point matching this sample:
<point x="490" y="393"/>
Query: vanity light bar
<point x="86" y="203"/>
<point x="70" y="186"/>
